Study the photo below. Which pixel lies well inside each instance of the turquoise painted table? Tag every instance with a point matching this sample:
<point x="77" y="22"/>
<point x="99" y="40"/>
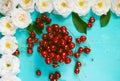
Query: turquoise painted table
<point x="102" y="64"/>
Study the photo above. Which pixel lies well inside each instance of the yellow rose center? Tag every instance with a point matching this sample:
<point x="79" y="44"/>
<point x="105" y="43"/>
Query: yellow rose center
<point x="118" y="5"/>
<point x="8" y="65"/>
<point x="81" y="3"/>
<point x="8" y="25"/>
<point x="63" y="4"/>
<point x="22" y="18"/>
<point x="8" y="45"/>
<point x="100" y="4"/>
<point x="44" y="4"/>
<point x="26" y="1"/>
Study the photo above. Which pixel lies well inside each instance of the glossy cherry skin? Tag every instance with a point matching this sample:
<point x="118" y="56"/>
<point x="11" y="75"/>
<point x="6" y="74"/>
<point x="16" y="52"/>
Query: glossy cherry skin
<point x="83" y="38"/>
<point x="87" y="50"/>
<point x="16" y="53"/>
<point x="48" y="20"/>
<point x="49" y="29"/>
<point x="38" y="20"/>
<point x="57" y="75"/>
<point x="77" y="55"/>
<point x="29" y="51"/>
<point x="78" y="40"/>
<point x="44" y="16"/>
<point x="51" y="76"/>
<point x="92" y="19"/>
<point x="29" y="40"/>
<point x="45" y="54"/>
<point x="36" y="40"/>
<point x="71" y="45"/>
<point x="38" y="72"/>
<point x="67" y="60"/>
<point x="89" y="25"/>
<point x="78" y="64"/>
<point x="30" y="45"/>
<point x="77" y="70"/>
<point x="80" y="50"/>
<point x="48" y="60"/>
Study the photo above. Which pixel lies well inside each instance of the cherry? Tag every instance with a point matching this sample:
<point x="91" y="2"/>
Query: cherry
<point x="78" y="64"/>
<point x="71" y="45"/>
<point x="48" y="20"/>
<point x="52" y="54"/>
<point x="44" y="36"/>
<point x="57" y="75"/>
<point x="53" y="48"/>
<point x="67" y="60"/>
<point x="62" y="42"/>
<point x="43" y="17"/>
<point x="29" y="40"/>
<point x="36" y="40"/>
<point x="70" y="52"/>
<point x="29" y="51"/>
<point x="48" y="60"/>
<point x="63" y="55"/>
<point x="41" y="25"/>
<point x="55" y="27"/>
<point x="92" y="19"/>
<point x="51" y="76"/>
<point x="32" y="35"/>
<point x="53" y="79"/>
<point x="44" y="54"/>
<point x="78" y="40"/>
<point x="83" y="38"/>
<point x="80" y="50"/>
<point x="69" y="39"/>
<point x="87" y="50"/>
<point x="55" y="65"/>
<point x="38" y="20"/>
<point x="89" y="25"/>
<point x="49" y="29"/>
<point x="55" y="40"/>
<point x="63" y="29"/>
<point x="38" y="72"/>
<point x="77" y="70"/>
<point x="57" y="57"/>
<point x="16" y="53"/>
<point x="77" y="55"/>
<point x="40" y="49"/>
<point x="66" y="47"/>
<point x="45" y="43"/>
<point x="30" y="45"/>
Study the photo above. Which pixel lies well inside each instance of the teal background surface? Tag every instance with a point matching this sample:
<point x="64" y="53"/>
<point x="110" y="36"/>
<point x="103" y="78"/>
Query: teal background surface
<point x="102" y="64"/>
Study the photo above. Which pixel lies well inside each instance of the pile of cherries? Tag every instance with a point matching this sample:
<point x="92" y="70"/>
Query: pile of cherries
<point x="55" y="76"/>
<point x="56" y="45"/>
<point x="91" y="20"/>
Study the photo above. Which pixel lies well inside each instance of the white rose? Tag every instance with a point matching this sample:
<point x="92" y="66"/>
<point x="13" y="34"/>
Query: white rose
<point x="6" y="26"/>
<point x="82" y="7"/>
<point x="27" y="5"/>
<point x="116" y="7"/>
<point x="62" y="7"/>
<point x="8" y="45"/>
<point x="10" y="78"/>
<point x="6" y="6"/>
<point x="9" y="65"/>
<point x="101" y="7"/>
<point x="21" y="18"/>
<point x="44" y="6"/>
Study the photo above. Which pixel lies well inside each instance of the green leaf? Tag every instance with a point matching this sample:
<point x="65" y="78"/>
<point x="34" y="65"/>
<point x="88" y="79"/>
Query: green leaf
<point x="80" y="25"/>
<point x="37" y="29"/>
<point x="30" y="28"/>
<point x="104" y="19"/>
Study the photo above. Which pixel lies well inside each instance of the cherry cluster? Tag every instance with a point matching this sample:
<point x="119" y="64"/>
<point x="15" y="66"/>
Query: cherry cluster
<point x="40" y="21"/>
<point x="31" y="40"/>
<point x="91" y="20"/>
<point x="55" y="76"/>
<point x="57" y="45"/>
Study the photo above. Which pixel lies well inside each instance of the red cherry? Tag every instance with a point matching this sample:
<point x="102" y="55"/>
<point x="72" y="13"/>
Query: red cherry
<point x="61" y="60"/>
<point x="44" y="16"/>
<point x="38" y="20"/>
<point x="48" y="48"/>
<point x="64" y="55"/>
<point x="71" y="45"/>
<point x="36" y="40"/>
<point x="40" y="49"/>
<point x="83" y="38"/>
<point x="51" y="76"/>
<point x="77" y="55"/>
<point x="55" y="27"/>
<point x="67" y="60"/>
<point x="92" y="19"/>
<point x="45" y="43"/>
<point x="80" y="50"/>
<point x="66" y="47"/>
<point x="30" y="45"/>
<point x="57" y="57"/>
<point x="55" y="40"/>
<point x="57" y="75"/>
<point x="52" y="54"/>
<point x="60" y="50"/>
<point x="69" y="39"/>
<point x="44" y="54"/>
<point x="29" y="51"/>
<point x="32" y="35"/>
<point x="49" y="29"/>
<point x="70" y="52"/>
<point x="16" y="53"/>
<point x="48" y="60"/>
<point x="87" y="50"/>
<point x="29" y="40"/>
<point x="38" y="72"/>
<point x="89" y="25"/>
<point x="77" y="70"/>
<point x="78" y="40"/>
<point x="44" y="36"/>
<point x="63" y="29"/>
<point x="53" y="48"/>
<point x="48" y="20"/>
<point x="78" y="64"/>
<point x="41" y="25"/>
